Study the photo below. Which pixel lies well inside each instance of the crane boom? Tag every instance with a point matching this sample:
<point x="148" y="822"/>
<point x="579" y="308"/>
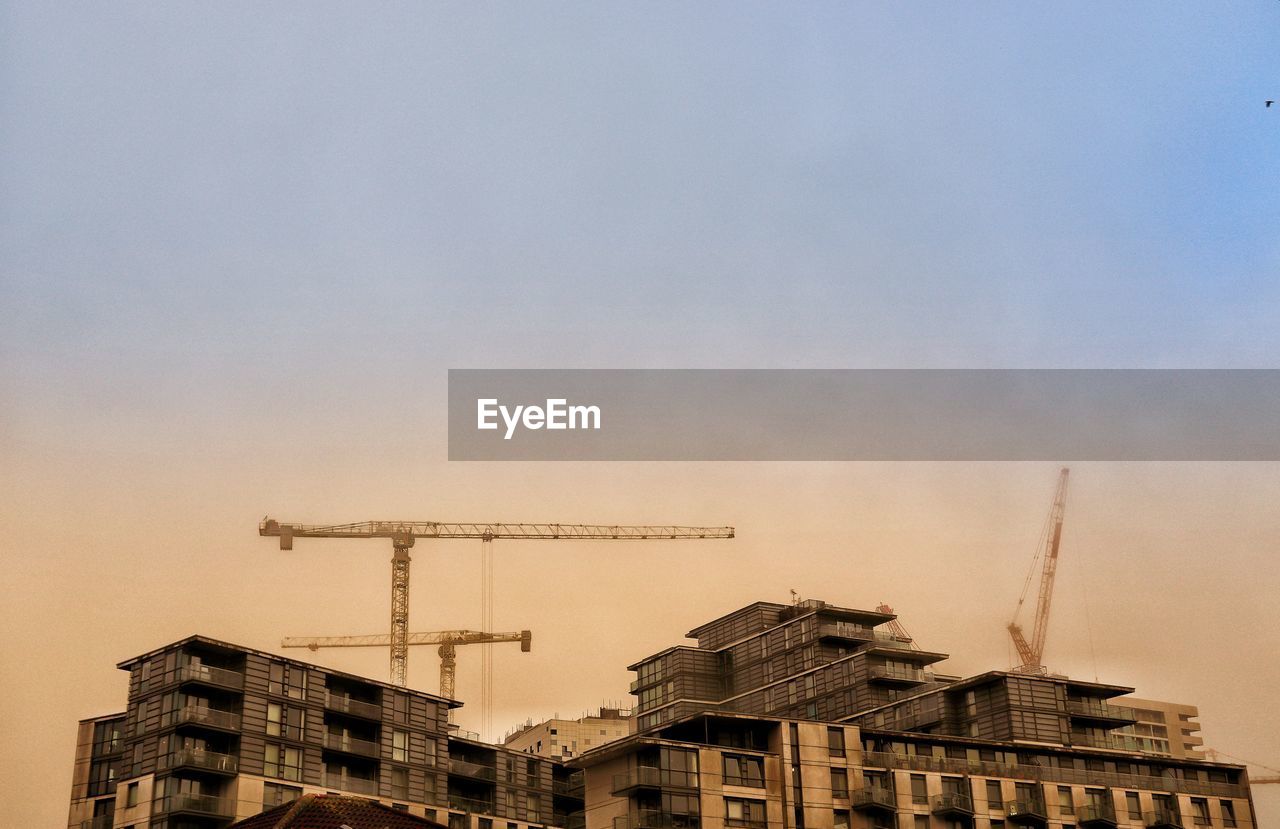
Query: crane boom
<point x="403" y="534"/>
<point x="1032" y="653"/>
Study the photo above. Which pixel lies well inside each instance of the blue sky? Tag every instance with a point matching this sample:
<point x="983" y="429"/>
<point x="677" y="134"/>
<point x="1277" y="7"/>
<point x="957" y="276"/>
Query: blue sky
<point x="240" y="245"/>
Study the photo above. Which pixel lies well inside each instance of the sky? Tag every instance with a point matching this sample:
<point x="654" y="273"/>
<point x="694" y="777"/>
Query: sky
<point x="241" y="244"/>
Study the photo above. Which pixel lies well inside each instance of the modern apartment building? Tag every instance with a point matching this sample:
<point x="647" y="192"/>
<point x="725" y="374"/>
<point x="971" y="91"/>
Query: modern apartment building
<point x="1162" y="728"/>
<point x="719" y="770"/>
<point x="215" y="732"/>
<point x="561" y="739"/>
<point x="807" y="717"/>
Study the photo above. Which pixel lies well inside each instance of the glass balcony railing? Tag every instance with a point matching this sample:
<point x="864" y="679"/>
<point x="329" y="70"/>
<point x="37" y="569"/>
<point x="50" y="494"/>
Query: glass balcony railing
<point x="469" y="769"/>
<point x="571" y="787"/>
<point x="196" y="804"/>
<point x="206" y="675"/>
<point x="951" y="803"/>
<point x="639" y="777"/>
<point x="1097" y="814"/>
<point x="356" y="785"/>
<point x="656" y="819"/>
<point x="352" y="745"/>
<point x="1100" y="710"/>
<point x="199" y="759"/>
<point x="873" y="797"/>
<point x="886" y="674"/>
<point x="470" y="804"/>
<point x="354" y="707"/>
<point x="1163" y="818"/>
<point x="1026" y="810"/>
<point x="212" y="717"/>
<point x="845" y="630"/>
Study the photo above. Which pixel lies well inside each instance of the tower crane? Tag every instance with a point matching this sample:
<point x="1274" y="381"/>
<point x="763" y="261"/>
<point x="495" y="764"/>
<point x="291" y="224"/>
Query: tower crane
<point x="896" y="629"/>
<point x="448" y="640"/>
<point x="403" y="534"/>
<point x="1032" y="653"/>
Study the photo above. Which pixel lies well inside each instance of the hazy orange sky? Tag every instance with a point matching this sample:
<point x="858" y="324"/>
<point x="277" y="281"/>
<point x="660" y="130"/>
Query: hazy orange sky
<point x="241" y="245"/>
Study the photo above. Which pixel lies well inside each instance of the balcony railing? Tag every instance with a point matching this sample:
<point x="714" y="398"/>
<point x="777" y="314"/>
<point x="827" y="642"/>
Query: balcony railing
<point x="354" y="707"/>
<point x="470" y="804"/>
<point x="886" y="674"/>
<point x="656" y="819"/>
<point x="212" y="717"/>
<point x="951" y="803"/>
<point x="352" y="745"/>
<point x="1163" y="818"/>
<point x="638" y="777"/>
<point x="845" y="630"/>
<point x="573" y="820"/>
<point x="1026" y="810"/>
<point x="195" y="758"/>
<point x="207" y="675"/>
<point x="571" y="787"/>
<point x="1097" y="814"/>
<point x="198" y="804"/>
<point x="356" y="785"/>
<point x="1051" y="774"/>
<point x="873" y="797"/>
<point x="469" y="769"/>
<point x="1100" y="710"/>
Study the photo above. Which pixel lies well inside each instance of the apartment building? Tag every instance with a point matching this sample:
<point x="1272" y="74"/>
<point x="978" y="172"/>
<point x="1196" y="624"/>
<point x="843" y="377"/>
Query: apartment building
<point x="215" y="732"/>
<point x="719" y="770"/>
<point x="1162" y="728"/>
<point x="563" y="739"/>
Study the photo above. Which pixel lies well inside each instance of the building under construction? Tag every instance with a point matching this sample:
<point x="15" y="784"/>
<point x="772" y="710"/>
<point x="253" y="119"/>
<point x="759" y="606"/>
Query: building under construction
<point x="801" y="716"/>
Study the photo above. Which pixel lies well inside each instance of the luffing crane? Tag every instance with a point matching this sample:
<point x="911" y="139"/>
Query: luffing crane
<point x="1032" y="653"/>
<point x="448" y="640"/>
<point x="403" y="534"/>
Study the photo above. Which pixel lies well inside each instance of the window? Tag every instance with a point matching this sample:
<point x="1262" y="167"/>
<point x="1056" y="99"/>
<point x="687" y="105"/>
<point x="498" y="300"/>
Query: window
<point x="743" y="771"/>
<point x="400" y="746"/>
<point x="921" y="822"/>
<point x="1134" y="805"/>
<point x="995" y="799"/>
<point x="400" y="807"/>
<point x="287" y="681"/>
<point x="839" y="783"/>
<point x="739" y="812"/>
<point x="679" y="767"/>
<point x="274" y="794"/>
<point x="835" y="742"/>
<point x="457" y="821"/>
<point x="486" y="823"/>
<point x="401" y="707"/>
<point x="283" y="762"/>
<point x="102" y="777"/>
<point x="841" y="819"/>
<point x="400" y="783"/>
<point x="285" y="721"/>
<point x="1066" y="805"/>
<point x="1200" y="811"/>
<point x="1228" y="812"/>
<point x="919" y="790"/>
<point x="131" y="795"/>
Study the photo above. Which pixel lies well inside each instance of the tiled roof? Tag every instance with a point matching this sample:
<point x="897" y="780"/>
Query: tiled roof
<point x="331" y="811"/>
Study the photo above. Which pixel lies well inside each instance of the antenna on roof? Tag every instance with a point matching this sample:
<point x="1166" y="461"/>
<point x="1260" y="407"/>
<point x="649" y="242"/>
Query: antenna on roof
<point x="795" y="598"/>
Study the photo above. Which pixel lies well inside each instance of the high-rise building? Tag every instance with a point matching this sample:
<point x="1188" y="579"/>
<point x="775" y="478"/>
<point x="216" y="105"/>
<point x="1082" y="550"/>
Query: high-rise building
<point x="561" y="739"/>
<point x="215" y="732"/>
<point x="806" y="716"/>
<point x="1161" y="728"/>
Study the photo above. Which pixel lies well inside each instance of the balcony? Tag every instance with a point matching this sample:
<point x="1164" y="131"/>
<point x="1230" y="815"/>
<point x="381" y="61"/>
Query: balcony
<point x="99" y="822"/>
<point x="1097" y="816"/>
<point x="470" y="804"/>
<point x="1100" y="712"/>
<point x="655" y="819"/>
<point x="355" y="785"/>
<point x="208" y="717"/>
<point x="574" y="786"/>
<point x="213" y="677"/>
<point x="1026" y="811"/>
<point x="195" y="804"/>
<point x="477" y="771"/>
<point x="354" y="707"/>
<point x="896" y="676"/>
<point x="1163" y="818"/>
<point x="846" y="630"/>
<point x="951" y="805"/>
<point x="640" y="777"/>
<point x="573" y="820"/>
<point x="351" y="745"/>
<point x="191" y="758"/>
<point x="873" y="799"/>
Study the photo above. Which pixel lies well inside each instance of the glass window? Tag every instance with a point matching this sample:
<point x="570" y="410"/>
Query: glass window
<point x="282" y="761"/>
<point x="400" y="746"/>
<point x="841" y="819"/>
<point x="995" y="799"/>
<point x="919" y="790"/>
<point x="1134" y="805"/>
<point x="274" y="794"/>
<point x="1228" y="812"/>
<point x="738" y="812"/>
<point x="1200" y="811"/>
<point x="400" y="783"/>
<point x="839" y="783"/>
<point x="1066" y="805"/>
<point x="131" y="795"/>
<point x="835" y="742"/>
<point x="743" y="771"/>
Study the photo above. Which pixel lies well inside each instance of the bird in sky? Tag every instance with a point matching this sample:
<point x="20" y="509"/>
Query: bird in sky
<point x="1269" y="103"/>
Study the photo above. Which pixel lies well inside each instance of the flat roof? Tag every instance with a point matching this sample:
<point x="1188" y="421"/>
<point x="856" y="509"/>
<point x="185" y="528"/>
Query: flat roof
<point x="229" y="647"/>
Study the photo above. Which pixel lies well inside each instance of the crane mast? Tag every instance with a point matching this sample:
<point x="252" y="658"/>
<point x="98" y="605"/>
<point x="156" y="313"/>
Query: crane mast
<point x="1032" y="653"/>
<point x="403" y="534"/>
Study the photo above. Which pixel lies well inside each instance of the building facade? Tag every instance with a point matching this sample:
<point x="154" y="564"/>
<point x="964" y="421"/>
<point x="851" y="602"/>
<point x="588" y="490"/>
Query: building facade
<point x="1162" y="728"/>
<point x="215" y="732"/>
<point x="560" y="739"/>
